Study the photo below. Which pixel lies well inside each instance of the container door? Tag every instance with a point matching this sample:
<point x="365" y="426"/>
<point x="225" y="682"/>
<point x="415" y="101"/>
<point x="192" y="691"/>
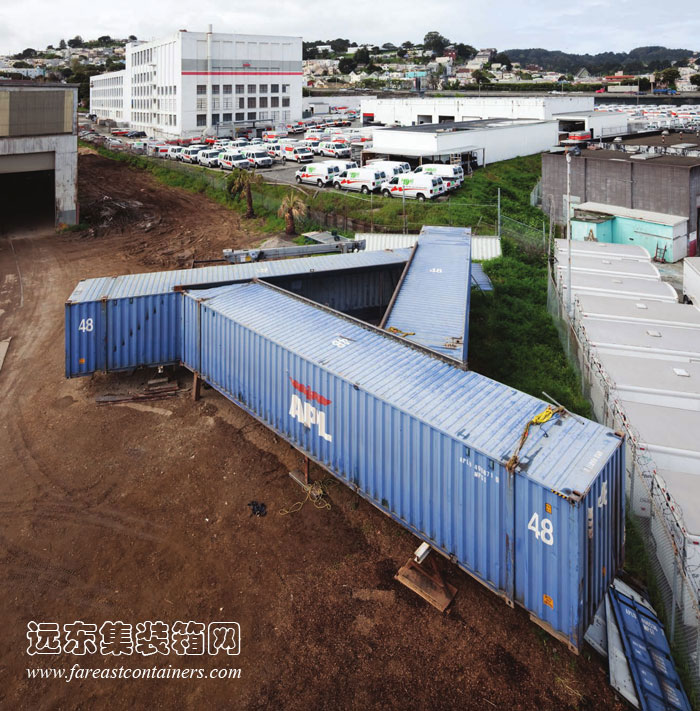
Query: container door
<point x="85" y="325"/>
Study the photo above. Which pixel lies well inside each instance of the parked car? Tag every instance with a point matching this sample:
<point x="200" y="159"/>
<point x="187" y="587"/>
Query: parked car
<point x="209" y="157"/>
<point x="365" y="180"/>
<point x="257" y="155"/>
<point x="173" y="152"/>
<point x="320" y="174"/>
<point x="333" y="149"/>
<point x="300" y="154"/>
<point x="189" y="154"/>
<point x="419" y="187"/>
<point x="232" y="158"/>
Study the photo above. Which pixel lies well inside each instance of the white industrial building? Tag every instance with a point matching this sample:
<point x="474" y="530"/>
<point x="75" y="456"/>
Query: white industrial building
<point x="469" y="142"/>
<point x="573" y="113"/>
<point x="191" y="83"/>
<point x="38" y="153"/>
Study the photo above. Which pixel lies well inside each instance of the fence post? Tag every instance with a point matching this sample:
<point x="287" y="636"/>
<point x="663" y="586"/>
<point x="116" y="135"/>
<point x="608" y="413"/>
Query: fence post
<point x="499" y="213"/>
<point x="371" y="212"/>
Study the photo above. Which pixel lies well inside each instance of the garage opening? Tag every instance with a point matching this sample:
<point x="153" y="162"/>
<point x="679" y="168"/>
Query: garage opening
<point x="27" y="200"/>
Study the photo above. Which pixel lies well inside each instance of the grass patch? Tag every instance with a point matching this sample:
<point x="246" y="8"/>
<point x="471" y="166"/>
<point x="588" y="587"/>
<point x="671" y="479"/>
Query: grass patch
<point x="512" y="337"/>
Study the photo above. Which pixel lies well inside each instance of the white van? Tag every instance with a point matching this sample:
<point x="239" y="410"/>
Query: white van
<point x="312" y="143"/>
<point x="189" y="154"/>
<point x="320" y="174"/>
<point x="258" y="156"/>
<point x="301" y="154"/>
<point x="173" y="152"/>
<point x="239" y="143"/>
<point x="334" y="149"/>
<point x="452" y="175"/>
<point x="343" y="164"/>
<point x="417" y="187"/>
<point x="390" y="167"/>
<point x="232" y="158"/>
<point x="209" y="157"/>
<point x="364" y="180"/>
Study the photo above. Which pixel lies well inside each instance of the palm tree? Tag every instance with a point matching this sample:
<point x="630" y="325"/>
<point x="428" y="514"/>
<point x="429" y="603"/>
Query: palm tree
<point x="240" y="182"/>
<point x="292" y="208"/>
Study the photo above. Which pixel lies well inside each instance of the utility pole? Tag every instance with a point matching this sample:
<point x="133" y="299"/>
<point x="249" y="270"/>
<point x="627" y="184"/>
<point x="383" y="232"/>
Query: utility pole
<point x="403" y="197"/>
<point x="568" y="230"/>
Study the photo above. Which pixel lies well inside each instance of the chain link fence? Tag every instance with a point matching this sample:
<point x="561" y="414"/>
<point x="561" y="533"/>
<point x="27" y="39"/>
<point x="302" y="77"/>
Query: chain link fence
<point x="669" y="556"/>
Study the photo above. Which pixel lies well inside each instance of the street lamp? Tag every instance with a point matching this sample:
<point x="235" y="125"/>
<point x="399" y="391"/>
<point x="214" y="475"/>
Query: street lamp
<point x="568" y="230"/>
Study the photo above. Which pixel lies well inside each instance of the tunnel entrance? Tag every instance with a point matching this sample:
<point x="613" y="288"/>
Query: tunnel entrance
<point x="27" y="191"/>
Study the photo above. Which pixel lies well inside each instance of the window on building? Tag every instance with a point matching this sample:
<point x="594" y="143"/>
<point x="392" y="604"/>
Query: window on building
<point x="201" y="89"/>
<point x="286" y="115"/>
<point x="201" y="119"/>
<point x="251" y="116"/>
<point x="240" y="89"/>
<point x="251" y="88"/>
<point x="263" y="102"/>
<point x="285" y="88"/>
<point x="240" y="116"/>
<point x="262" y="115"/>
<point x="227" y="88"/>
<point x="241" y="103"/>
<point x="228" y="118"/>
<point x="214" y="119"/>
<point x="263" y="88"/>
<point x="214" y="88"/>
<point x="285" y="101"/>
<point x="251" y="102"/>
<point x="201" y="104"/>
<point x="275" y="116"/>
<point x="274" y="101"/>
<point x="274" y="88"/>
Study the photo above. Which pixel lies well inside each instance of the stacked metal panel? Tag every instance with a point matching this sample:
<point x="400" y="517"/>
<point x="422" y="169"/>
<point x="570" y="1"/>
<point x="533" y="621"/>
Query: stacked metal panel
<point x="431" y="306"/>
<point x="119" y="323"/>
<point x="427" y="443"/>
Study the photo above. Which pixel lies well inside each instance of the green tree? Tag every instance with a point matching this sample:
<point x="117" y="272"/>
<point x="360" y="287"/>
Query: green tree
<point x="77" y="41"/>
<point x="28" y="53"/>
<point x="292" y="208"/>
<point x="695" y="79"/>
<point x="104" y="40"/>
<point x="407" y="44"/>
<point x="480" y="77"/>
<point x="401" y="52"/>
<point x="21" y="64"/>
<point x="62" y="44"/>
<point x="339" y="46"/>
<point x="240" y="183"/>
<point x="362" y="56"/>
<point x="668" y="77"/>
<point x="465" y="51"/>
<point x="435" y="42"/>
<point x="132" y="38"/>
<point x="346" y="65"/>
<point x="309" y="51"/>
<point x="504" y="59"/>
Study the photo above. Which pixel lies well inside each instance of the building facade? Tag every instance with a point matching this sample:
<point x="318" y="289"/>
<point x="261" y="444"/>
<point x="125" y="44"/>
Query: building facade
<point x="191" y="83"/>
<point x="667" y="184"/>
<point x="39" y="147"/>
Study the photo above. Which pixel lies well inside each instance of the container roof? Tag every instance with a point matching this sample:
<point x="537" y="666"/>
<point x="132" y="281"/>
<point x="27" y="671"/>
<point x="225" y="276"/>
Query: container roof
<point x="611" y="265"/>
<point x="642" y="310"/>
<point x="660" y="218"/>
<point x="483" y="247"/>
<point x="565" y="455"/>
<point x="645" y="337"/>
<point x="132" y="285"/>
<point x="651" y="375"/>
<point x="431" y="305"/>
<point x="621" y="287"/>
<point x="461" y="126"/>
<point x="603" y="250"/>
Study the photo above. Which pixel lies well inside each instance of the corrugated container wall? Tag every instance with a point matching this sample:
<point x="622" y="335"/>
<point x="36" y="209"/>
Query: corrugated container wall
<point x="120" y="323"/>
<point x="426" y="443"/>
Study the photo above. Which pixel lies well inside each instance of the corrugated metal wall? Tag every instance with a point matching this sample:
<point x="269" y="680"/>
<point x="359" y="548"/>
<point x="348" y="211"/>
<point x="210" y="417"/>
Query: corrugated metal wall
<point x="426" y="443"/>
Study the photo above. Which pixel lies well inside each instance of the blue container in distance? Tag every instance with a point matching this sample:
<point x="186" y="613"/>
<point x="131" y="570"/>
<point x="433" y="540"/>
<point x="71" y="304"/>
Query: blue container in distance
<point x="120" y="323"/>
<point x="427" y="443"/>
<point x="431" y="306"/>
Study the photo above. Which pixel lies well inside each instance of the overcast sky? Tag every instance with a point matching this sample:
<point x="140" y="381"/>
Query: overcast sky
<point x="582" y="26"/>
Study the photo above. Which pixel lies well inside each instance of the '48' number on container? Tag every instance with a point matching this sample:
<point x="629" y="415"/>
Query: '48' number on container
<point x="542" y="528"/>
<point x="86" y="325"/>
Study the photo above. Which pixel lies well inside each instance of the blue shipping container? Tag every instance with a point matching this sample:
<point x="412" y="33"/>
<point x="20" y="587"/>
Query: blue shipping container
<point x="120" y="323"/>
<point x="427" y="443"/>
<point x="441" y="267"/>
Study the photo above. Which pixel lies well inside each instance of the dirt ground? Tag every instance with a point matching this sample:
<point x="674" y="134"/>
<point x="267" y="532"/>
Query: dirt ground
<point x="140" y="512"/>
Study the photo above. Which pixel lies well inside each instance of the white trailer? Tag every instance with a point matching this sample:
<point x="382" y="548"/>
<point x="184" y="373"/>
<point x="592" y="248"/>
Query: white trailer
<point x="603" y="250"/>
<point x="619" y="287"/>
<point x="691" y="280"/>
<point x="614" y="266"/>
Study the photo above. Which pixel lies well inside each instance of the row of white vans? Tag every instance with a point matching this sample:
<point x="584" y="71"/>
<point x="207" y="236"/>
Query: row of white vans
<point x="389" y="178"/>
